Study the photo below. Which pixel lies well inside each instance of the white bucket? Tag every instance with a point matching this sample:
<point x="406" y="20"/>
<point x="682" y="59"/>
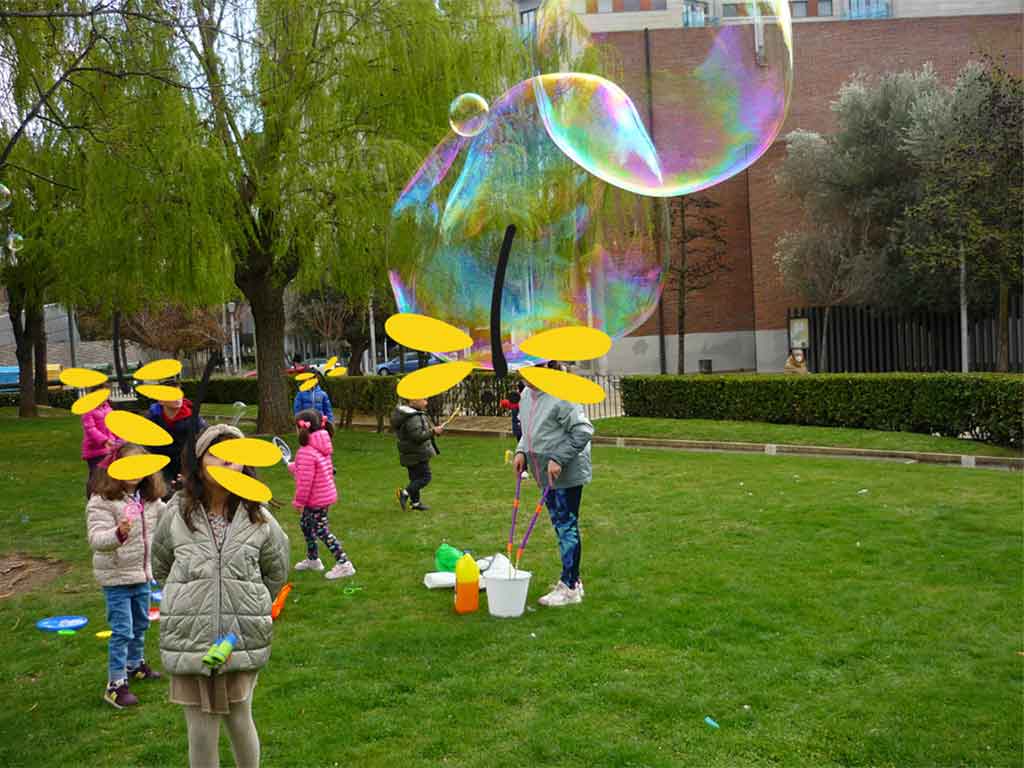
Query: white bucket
<point x="506" y="598"/>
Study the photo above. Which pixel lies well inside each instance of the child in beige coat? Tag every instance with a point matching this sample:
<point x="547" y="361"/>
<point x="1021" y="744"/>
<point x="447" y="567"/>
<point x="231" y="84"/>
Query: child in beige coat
<point x="122" y="516"/>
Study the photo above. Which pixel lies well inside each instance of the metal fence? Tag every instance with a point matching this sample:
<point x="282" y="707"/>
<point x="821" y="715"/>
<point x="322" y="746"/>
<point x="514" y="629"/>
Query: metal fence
<point x="868" y="340"/>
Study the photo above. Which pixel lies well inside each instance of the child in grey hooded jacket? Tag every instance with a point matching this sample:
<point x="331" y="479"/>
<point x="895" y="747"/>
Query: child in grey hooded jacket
<point x="555" y="447"/>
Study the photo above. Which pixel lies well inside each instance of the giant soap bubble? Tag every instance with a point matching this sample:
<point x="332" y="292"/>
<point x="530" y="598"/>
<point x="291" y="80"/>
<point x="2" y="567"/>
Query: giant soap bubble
<point x="720" y="95"/>
<point x="584" y="253"/>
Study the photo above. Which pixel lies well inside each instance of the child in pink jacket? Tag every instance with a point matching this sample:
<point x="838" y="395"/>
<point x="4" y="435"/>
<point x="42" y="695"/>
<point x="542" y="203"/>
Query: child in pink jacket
<point x="98" y="442"/>
<point x="315" y="492"/>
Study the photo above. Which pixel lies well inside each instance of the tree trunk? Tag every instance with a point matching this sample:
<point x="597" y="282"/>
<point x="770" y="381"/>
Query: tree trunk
<point x="39" y="345"/>
<point x="1003" y="364"/>
<point x="267" y="302"/>
<point x="23" y="349"/>
<point x="358" y="346"/>
<point x="681" y="306"/>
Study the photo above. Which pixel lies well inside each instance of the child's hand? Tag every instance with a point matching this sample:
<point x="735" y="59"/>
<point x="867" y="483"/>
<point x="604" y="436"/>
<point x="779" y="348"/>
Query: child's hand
<point x="123" y="527"/>
<point x="438" y="430"/>
<point x="554" y="470"/>
<point x="519" y="463"/>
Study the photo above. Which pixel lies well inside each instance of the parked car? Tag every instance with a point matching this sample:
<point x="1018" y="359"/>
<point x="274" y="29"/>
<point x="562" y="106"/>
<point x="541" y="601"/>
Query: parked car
<point x="412" y="363"/>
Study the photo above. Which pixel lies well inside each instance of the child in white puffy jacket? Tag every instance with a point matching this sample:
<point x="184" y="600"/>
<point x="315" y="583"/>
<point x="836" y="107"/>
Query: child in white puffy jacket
<point x="122" y="516"/>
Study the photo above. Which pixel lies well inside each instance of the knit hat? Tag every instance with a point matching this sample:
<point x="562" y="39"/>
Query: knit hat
<point x="212" y="433"/>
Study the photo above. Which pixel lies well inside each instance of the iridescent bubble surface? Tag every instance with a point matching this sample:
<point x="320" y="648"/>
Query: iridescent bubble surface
<point x="5" y="197"/>
<point x="467" y="114"/>
<point x="584" y="253"/>
<point x="15" y="242"/>
<point x="720" y="95"/>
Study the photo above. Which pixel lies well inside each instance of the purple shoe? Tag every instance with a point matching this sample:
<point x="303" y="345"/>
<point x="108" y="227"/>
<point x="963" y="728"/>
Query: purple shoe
<point x="118" y="696"/>
<point x="143" y="672"/>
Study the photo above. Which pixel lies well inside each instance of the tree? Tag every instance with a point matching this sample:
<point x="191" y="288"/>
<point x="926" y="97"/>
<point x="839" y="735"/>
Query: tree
<point x="967" y="144"/>
<point x="90" y="93"/>
<point x="702" y="254"/>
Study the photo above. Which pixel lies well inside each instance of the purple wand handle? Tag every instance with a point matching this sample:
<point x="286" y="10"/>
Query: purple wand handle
<point x="515" y="511"/>
<point x="533" y="522"/>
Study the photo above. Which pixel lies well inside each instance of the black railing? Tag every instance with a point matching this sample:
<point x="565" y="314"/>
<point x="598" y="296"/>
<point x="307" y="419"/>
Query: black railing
<point x="868" y="340"/>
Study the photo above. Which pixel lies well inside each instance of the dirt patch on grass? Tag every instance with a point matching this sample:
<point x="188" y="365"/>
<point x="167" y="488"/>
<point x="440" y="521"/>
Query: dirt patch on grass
<point x="23" y="573"/>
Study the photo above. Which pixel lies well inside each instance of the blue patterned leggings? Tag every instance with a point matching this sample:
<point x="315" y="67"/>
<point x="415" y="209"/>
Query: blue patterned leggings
<point x="314" y="526"/>
<point x="564" y="509"/>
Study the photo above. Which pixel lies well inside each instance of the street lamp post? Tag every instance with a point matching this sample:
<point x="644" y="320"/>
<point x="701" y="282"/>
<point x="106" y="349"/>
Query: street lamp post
<point x="234" y="338"/>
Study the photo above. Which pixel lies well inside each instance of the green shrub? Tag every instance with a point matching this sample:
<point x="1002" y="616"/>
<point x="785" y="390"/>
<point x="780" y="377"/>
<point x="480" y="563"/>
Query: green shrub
<point x="989" y="407"/>
<point x="62" y="398"/>
<point x="478" y="395"/>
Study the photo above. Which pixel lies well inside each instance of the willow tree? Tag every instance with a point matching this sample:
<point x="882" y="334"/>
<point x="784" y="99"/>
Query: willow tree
<point x="98" y="145"/>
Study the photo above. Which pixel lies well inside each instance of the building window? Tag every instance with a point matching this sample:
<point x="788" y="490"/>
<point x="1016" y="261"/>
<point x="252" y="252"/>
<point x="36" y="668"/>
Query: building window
<point x="695" y="14"/>
<point x="798" y="10"/>
<point x="870" y="9"/>
<point x="618" y="6"/>
<point x="732" y="10"/>
<point x="824" y="7"/>
<point x="528" y="20"/>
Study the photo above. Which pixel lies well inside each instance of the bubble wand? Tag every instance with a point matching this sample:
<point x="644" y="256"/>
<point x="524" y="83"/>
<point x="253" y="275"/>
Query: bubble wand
<point x="515" y="514"/>
<point x="533" y="522"/>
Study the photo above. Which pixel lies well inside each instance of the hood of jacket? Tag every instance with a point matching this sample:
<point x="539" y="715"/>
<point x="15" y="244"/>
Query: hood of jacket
<point x="320" y="441"/>
<point x="402" y="414"/>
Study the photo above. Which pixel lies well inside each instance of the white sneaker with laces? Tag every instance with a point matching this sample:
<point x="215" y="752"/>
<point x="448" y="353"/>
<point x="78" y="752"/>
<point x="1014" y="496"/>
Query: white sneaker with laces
<point x="561" y="595"/>
<point x="309" y="565"/>
<point x="341" y="570"/>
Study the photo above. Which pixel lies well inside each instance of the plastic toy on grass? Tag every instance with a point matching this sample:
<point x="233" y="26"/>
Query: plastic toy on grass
<point x="446" y="557"/>
<point x="278" y="606"/>
<point x="220" y="651"/>
<point x="57" y="623"/>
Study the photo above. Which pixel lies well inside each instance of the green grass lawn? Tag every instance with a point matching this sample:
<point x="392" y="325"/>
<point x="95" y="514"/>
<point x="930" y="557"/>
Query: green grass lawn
<point x="819" y="625"/>
<point x="789" y="434"/>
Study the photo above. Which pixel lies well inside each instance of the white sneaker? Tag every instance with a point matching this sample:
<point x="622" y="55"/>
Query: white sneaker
<point x="309" y="565"/>
<point x="341" y="570"/>
<point x="561" y="595"/>
<point x="525" y="475"/>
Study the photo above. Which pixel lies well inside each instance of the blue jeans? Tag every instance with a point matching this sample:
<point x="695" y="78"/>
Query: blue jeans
<point x="564" y="509"/>
<point x="128" y="617"/>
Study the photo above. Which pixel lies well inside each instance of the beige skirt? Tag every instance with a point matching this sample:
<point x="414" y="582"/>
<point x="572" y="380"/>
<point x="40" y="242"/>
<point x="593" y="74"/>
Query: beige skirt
<point x="212" y="694"/>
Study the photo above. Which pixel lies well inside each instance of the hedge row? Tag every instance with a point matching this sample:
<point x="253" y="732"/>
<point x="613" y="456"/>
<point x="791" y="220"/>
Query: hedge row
<point x="62" y="398"/>
<point x="990" y="407"/>
<point x="478" y="395"/>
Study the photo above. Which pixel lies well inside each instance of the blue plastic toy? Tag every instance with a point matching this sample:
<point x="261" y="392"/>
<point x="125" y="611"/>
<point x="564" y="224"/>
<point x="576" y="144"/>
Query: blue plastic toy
<point x="57" y="623"/>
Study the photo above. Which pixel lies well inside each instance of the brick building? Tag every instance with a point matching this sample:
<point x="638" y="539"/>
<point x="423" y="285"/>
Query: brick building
<point x="739" y="323"/>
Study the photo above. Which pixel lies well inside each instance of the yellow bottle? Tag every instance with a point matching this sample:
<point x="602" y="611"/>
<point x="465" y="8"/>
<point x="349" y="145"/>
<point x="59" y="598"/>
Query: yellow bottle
<point x="467" y="585"/>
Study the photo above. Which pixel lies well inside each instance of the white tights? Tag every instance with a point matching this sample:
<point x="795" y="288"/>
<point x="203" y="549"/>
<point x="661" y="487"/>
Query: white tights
<point x="204" y="736"/>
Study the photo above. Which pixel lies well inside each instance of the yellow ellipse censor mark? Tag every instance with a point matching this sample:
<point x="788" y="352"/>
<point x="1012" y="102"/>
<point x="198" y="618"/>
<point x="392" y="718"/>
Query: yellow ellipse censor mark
<point x="160" y="392"/>
<point x="138" y="466"/>
<point x="332" y="362"/>
<point x="82" y="378"/>
<point x="336" y="372"/>
<point x="427" y="382"/>
<point x="426" y="334"/>
<point x="565" y="386"/>
<point x="136" y="429"/>
<point x="247" y="451"/>
<point x="305" y="376"/>
<point x="158" y="369"/>
<point x="577" y="342"/>
<point x="243" y="486"/>
<point x="307" y="385"/>
<point x="89" y="402"/>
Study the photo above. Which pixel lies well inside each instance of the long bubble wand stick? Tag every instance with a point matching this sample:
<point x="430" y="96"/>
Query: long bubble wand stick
<point x="515" y="514"/>
<point x="533" y="522"/>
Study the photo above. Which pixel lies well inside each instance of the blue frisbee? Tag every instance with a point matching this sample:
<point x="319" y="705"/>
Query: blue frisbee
<point x="57" y="623"/>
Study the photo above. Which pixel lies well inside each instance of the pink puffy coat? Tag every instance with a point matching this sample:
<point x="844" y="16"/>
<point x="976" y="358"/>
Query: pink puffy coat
<point x="314" y="473"/>
<point x="95" y="433"/>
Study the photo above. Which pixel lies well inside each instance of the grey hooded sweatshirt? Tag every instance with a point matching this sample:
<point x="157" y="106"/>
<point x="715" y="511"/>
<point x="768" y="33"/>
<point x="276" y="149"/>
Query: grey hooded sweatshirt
<point x="555" y="429"/>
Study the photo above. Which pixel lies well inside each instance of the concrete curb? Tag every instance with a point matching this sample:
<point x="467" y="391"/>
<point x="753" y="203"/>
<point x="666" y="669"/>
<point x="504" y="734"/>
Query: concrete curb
<point x="769" y="449"/>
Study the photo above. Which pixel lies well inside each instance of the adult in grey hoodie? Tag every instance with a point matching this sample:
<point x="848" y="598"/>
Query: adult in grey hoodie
<point x="555" y="448"/>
